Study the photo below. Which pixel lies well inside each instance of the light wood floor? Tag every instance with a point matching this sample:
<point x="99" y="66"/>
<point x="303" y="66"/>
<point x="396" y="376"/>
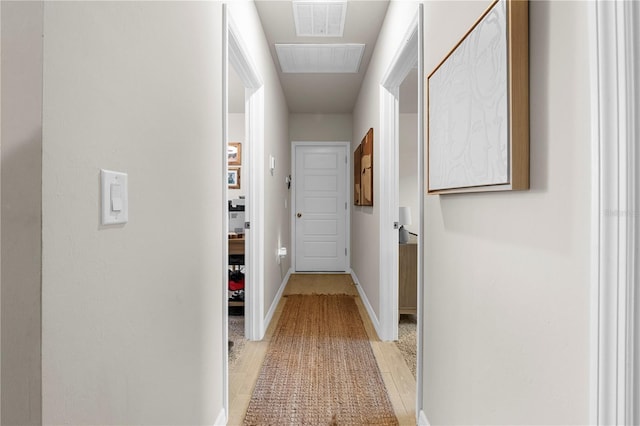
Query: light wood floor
<point x="400" y="383"/>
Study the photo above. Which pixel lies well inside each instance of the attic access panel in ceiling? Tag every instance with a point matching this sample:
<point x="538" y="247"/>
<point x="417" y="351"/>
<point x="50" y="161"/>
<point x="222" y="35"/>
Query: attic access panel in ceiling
<point x="319" y="18"/>
<point x="320" y="58"/>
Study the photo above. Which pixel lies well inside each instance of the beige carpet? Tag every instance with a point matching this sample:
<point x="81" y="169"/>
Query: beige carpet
<point x="407" y="340"/>
<point x="320" y="368"/>
<point x="236" y="335"/>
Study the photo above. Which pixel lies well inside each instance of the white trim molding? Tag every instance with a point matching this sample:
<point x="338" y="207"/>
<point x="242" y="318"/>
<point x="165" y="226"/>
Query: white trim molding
<point x="421" y="222"/>
<point x="254" y="236"/>
<point x="389" y="211"/>
<point x="224" y="245"/>
<point x="616" y="212"/>
<point x="221" y="420"/>
<point x="276" y="300"/>
<point x="366" y="303"/>
<point x="422" y="419"/>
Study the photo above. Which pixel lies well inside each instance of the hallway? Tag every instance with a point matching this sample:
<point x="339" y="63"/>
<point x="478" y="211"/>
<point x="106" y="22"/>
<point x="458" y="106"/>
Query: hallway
<point x="398" y="379"/>
<point x="523" y="292"/>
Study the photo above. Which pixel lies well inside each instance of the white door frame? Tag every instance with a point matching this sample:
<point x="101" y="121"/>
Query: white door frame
<point x="408" y="54"/>
<point x="615" y="64"/>
<point x="294" y="146"/>
<point x="234" y="52"/>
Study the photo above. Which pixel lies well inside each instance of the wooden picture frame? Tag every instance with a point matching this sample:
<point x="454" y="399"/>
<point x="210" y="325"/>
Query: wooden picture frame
<point x="234" y="153"/>
<point x="366" y="166"/>
<point x="363" y="171"/>
<point x="478" y="106"/>
<point x="233" y="177"/>
<point x="357" y="174"/>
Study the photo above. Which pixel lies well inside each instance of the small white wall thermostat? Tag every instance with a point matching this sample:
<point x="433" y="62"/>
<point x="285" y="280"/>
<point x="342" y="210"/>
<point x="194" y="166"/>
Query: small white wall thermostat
<point x="115" y="197"/>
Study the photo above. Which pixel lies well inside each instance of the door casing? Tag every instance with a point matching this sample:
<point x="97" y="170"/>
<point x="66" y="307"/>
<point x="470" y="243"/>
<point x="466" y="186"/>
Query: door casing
<point x="615" y="197"/>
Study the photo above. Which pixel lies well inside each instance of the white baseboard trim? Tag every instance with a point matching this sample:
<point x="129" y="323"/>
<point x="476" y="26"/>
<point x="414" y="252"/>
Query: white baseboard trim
<point x="367" y="305"/>
<point x="276" y="300"/>
<point x="422" y="419"/>
<point x="221" y="420"/>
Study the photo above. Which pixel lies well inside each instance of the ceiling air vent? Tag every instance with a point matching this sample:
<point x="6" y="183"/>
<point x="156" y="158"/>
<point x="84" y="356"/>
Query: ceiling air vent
<point x="319" y="18"/>
<point x="320" y="58"/>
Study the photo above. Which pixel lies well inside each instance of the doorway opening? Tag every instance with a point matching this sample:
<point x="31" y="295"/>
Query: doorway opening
<point x="236" y="56"/>
<point x="408" y="61"/>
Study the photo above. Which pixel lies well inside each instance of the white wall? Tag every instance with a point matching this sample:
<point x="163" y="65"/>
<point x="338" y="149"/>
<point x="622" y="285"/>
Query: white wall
<point x="21" y="206"/>
<point x="507" y="274"/>
<point x="276" y="143"/>
<point x="365" y="221"/>
<point x="320" y="127"/>
<point x="236" y="134"/>
<point x="408" y="172"/>
<point x="132" y="320"/>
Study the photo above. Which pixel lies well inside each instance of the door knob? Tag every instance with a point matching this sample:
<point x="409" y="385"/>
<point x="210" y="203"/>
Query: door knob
<point x="299" y="215"/>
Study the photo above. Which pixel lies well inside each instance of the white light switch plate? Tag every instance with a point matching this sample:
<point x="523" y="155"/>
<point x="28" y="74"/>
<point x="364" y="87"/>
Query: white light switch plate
<point x="115" y="197"/>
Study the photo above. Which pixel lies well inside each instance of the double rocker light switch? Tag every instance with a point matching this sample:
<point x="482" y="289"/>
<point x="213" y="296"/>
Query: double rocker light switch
<point x="115" y="203"/>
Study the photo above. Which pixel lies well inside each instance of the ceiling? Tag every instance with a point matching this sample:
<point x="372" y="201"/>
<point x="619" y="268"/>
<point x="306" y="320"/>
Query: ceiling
<point x="323" y="93"/>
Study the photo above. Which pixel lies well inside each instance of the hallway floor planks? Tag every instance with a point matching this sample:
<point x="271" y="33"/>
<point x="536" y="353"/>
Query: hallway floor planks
<point x="400" y="383"/>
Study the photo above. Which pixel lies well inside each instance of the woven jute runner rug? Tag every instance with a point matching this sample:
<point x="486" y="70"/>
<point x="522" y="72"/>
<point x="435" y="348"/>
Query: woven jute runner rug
<point x="320" y="368"/>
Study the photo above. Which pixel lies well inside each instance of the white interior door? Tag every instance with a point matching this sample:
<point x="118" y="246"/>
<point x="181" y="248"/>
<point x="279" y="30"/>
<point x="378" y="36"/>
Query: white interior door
<point x="321" y="208"/>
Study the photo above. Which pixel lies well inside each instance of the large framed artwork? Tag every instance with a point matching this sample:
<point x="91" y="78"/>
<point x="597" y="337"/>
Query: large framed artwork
<point x="478" y="106"/>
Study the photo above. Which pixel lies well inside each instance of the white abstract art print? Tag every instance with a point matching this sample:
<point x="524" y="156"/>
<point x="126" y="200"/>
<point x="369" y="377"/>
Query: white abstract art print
<point x="469" y="109"/>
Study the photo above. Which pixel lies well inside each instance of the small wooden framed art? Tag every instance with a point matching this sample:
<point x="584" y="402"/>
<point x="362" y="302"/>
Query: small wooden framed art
<point x="366" y="164"/>
<point x="363" y="171"/>
<point x="234" y="153"/>
<point x="233" y="178"/>
<point x="478" y="106"/>
<point x="357" y="174"/>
